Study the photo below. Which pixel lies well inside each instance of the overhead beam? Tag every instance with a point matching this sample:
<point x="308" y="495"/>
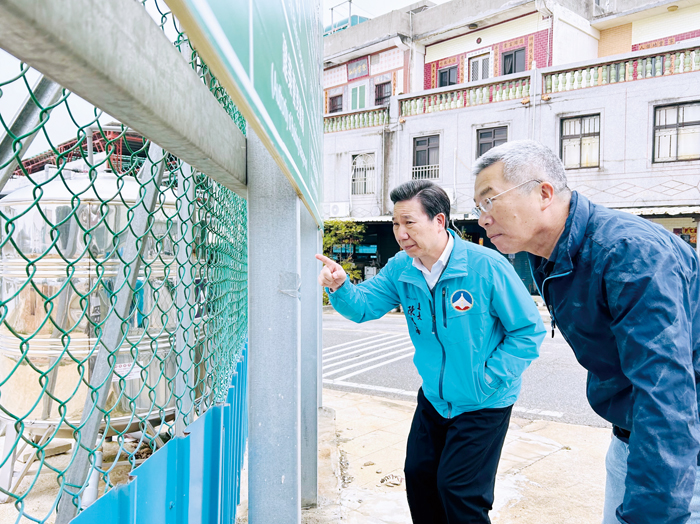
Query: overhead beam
<point x="113" y="55"/>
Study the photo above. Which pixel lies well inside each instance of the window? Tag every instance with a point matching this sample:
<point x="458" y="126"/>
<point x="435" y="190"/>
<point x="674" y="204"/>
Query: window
<point x="514" y="61"/>
<point x="426" y="157"/>
<point x="479" y="68"/>
<point x="491" y="137"/>
<point x="677" y="132"/>
<point x="363" y="174"/>
<point x="382" y="93"/>
<point x="447" y="76"/>
<point x="335" y="104"/>
<point x="580" y="141"/>
<point x="357" y="97"/>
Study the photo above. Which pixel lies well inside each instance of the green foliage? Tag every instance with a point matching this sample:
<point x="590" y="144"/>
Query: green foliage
<point x="343" y="232"/>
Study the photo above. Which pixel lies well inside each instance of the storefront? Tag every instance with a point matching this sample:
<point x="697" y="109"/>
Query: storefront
<point x="379" y="245"/>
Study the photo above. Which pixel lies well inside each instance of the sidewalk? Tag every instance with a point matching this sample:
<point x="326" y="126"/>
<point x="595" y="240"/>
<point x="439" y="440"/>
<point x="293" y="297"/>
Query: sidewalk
<point x="549" y="472"/>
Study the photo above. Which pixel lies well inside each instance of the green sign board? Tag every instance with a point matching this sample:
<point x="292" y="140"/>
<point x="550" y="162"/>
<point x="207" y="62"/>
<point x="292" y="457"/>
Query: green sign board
<point x="267" y="53"/>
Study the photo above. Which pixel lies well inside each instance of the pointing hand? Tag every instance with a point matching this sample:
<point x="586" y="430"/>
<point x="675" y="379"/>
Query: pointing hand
<point x="332" y="275"/>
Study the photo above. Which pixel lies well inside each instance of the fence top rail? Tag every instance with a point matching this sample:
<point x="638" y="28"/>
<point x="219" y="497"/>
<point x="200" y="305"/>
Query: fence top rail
<point x="469" y="85"/>
<point x="691" y="43"/>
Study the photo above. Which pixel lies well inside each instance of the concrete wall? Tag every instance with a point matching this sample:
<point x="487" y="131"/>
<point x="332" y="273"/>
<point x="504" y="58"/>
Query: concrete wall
<point x="458" y="131"/>
<point x="339" y="149"/>
<point x="374" y="30"/>
<point x="573" y="42"/>
<point x="489" y="36"/>
<point x="461" y="12"/>
<point x="627" y="177"/>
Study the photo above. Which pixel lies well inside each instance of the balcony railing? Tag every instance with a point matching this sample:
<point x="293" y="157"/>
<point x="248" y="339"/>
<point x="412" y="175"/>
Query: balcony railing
<point x="363" y="186"/>
<point x="424" y="172"/>
<point x="634" y="68"/>
<point x="468" y="95"/>
<point x="356" y="120"/>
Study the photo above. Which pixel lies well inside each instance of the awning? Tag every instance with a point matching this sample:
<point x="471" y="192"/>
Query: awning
<point x="662" y="211"/>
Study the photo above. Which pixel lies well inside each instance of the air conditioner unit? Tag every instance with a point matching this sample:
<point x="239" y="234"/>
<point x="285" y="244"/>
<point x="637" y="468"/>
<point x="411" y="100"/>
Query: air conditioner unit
<point x="338" y="209"/>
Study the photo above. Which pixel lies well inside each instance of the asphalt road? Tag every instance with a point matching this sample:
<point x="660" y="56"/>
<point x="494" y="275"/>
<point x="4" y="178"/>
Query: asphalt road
<point x="376" y="358"/>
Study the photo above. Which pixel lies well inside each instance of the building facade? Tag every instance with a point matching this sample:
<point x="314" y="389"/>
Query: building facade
<point x="612" y="86"/>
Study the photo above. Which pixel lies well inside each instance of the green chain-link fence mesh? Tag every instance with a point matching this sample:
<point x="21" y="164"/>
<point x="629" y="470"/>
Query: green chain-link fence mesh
<point x="93" y="266"/>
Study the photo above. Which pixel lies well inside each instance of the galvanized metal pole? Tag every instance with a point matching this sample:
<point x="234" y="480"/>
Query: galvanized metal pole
<point x="184" y="381"/>
<point x="46" y="92"/>
<point x="274" y="459"/>
<point x="310" y="342"/>
<point x="319" y="329"/>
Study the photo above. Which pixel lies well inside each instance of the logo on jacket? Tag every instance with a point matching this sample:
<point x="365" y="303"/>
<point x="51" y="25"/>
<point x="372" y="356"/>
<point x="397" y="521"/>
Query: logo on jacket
<point x="462" y="300"/>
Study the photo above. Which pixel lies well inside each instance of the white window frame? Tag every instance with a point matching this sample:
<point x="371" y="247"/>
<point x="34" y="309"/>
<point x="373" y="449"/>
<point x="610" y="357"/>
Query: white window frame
<point x="562" y="119"/>
<point x="475" y="54"/>
<point x="357" y="86"/>
<point x="367" y="183"/>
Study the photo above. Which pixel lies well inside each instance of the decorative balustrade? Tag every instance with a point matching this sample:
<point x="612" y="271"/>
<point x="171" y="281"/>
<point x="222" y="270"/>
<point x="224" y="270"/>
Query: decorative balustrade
<point x="637" y="68"/>
<point x="358" y="120"/>
<point x="467" y="96"/>
<point x="423" y="172"/>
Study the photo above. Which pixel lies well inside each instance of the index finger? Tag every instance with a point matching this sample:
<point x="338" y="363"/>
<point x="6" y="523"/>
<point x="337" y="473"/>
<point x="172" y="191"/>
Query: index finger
<point x="327" y="261"/>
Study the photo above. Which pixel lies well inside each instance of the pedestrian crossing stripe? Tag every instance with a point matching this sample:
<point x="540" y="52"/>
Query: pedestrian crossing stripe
<point x="462" y="300"/>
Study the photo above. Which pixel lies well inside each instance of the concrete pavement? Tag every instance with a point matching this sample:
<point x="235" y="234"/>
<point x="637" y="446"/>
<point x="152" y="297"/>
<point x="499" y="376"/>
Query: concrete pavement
<point x="549" y="472"/>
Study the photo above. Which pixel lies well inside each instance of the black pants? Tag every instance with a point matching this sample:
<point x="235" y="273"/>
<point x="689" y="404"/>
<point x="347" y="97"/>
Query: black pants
<point x="451" y="464"/>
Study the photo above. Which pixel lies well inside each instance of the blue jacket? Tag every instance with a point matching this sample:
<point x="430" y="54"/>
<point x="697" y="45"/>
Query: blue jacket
<point x="624" y="292"/>
<point x="474" y="334"/>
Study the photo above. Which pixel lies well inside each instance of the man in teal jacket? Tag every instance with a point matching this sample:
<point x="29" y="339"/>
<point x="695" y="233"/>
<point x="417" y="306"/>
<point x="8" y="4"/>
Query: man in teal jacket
<point x="475" y="329"/>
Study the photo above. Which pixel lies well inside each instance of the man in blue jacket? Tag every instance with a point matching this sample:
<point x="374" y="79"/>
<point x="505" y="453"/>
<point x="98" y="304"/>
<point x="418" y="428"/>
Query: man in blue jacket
<point x="624" y="292"/>
<point x="475" y="329"/>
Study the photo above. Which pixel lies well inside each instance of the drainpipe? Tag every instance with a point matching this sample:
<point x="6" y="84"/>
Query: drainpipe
<point x="454" y="180"/>
<point x="541" y="6"/>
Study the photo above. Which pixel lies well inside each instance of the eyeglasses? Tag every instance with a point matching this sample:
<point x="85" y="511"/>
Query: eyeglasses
<point x="487" y="204"/>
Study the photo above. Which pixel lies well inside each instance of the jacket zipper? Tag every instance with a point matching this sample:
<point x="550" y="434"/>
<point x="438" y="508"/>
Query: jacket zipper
<point x="444" y="353"/>
<point x="444" y="307"/>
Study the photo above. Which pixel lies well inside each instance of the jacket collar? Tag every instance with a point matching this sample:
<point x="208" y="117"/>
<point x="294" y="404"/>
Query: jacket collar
<point x="456" y="266"/>
<point x="572" y="237"/>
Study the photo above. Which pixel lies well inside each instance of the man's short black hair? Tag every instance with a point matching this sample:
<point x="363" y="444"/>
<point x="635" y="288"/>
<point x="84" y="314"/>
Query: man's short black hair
<point x="431" y="196"/>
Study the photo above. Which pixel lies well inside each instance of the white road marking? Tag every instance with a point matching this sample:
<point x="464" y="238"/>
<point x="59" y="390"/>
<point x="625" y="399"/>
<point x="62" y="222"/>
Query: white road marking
<point x="369" y="387"/>
<point x="377" y="349"/>
<point x="361" y="340"/>
<point x="409" y="354"/>
<point x="335" y="371"/>
<point x="363" y="344"/>
<point x="542" y="412"/>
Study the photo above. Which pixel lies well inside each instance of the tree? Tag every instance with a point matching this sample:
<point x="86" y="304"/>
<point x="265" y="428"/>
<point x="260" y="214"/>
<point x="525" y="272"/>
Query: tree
<point x="339" y="232"/>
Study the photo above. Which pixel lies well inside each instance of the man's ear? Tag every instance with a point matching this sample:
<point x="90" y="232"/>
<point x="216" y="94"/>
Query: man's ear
<point x="441" y="220"/>
<point x="546" y="195"/>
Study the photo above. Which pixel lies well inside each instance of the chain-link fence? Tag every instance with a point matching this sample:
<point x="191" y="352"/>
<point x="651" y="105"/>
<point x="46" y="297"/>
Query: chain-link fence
<point x="123" y="292"/>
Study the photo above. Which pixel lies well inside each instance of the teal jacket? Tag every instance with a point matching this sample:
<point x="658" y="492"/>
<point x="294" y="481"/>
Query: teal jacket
<point x="475" y="333"/>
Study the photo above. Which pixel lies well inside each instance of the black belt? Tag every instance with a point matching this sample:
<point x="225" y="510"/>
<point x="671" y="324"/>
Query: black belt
<point x="621" y="433"/>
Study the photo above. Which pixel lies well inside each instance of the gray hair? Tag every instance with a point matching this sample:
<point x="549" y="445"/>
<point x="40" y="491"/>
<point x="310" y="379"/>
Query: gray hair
<point x="525" y="160"/>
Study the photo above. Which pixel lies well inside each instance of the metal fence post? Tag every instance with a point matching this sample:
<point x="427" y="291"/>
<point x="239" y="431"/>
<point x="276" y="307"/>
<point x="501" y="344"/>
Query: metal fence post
<point x="184" y="381"/>
<point x="46" y="92"/>
<point x="274" y="355"/>
<point x="310" y="304"/>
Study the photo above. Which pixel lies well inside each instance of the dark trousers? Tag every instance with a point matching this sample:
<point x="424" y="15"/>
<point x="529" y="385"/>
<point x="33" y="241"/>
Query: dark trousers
<point x="451" y="464"/>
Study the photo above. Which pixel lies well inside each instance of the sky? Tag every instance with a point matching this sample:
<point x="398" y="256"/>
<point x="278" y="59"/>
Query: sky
<point x="368" y="8"/>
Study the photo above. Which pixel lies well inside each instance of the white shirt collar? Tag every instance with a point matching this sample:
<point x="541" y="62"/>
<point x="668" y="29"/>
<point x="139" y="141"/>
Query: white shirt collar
<point x="433" y="275"/>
